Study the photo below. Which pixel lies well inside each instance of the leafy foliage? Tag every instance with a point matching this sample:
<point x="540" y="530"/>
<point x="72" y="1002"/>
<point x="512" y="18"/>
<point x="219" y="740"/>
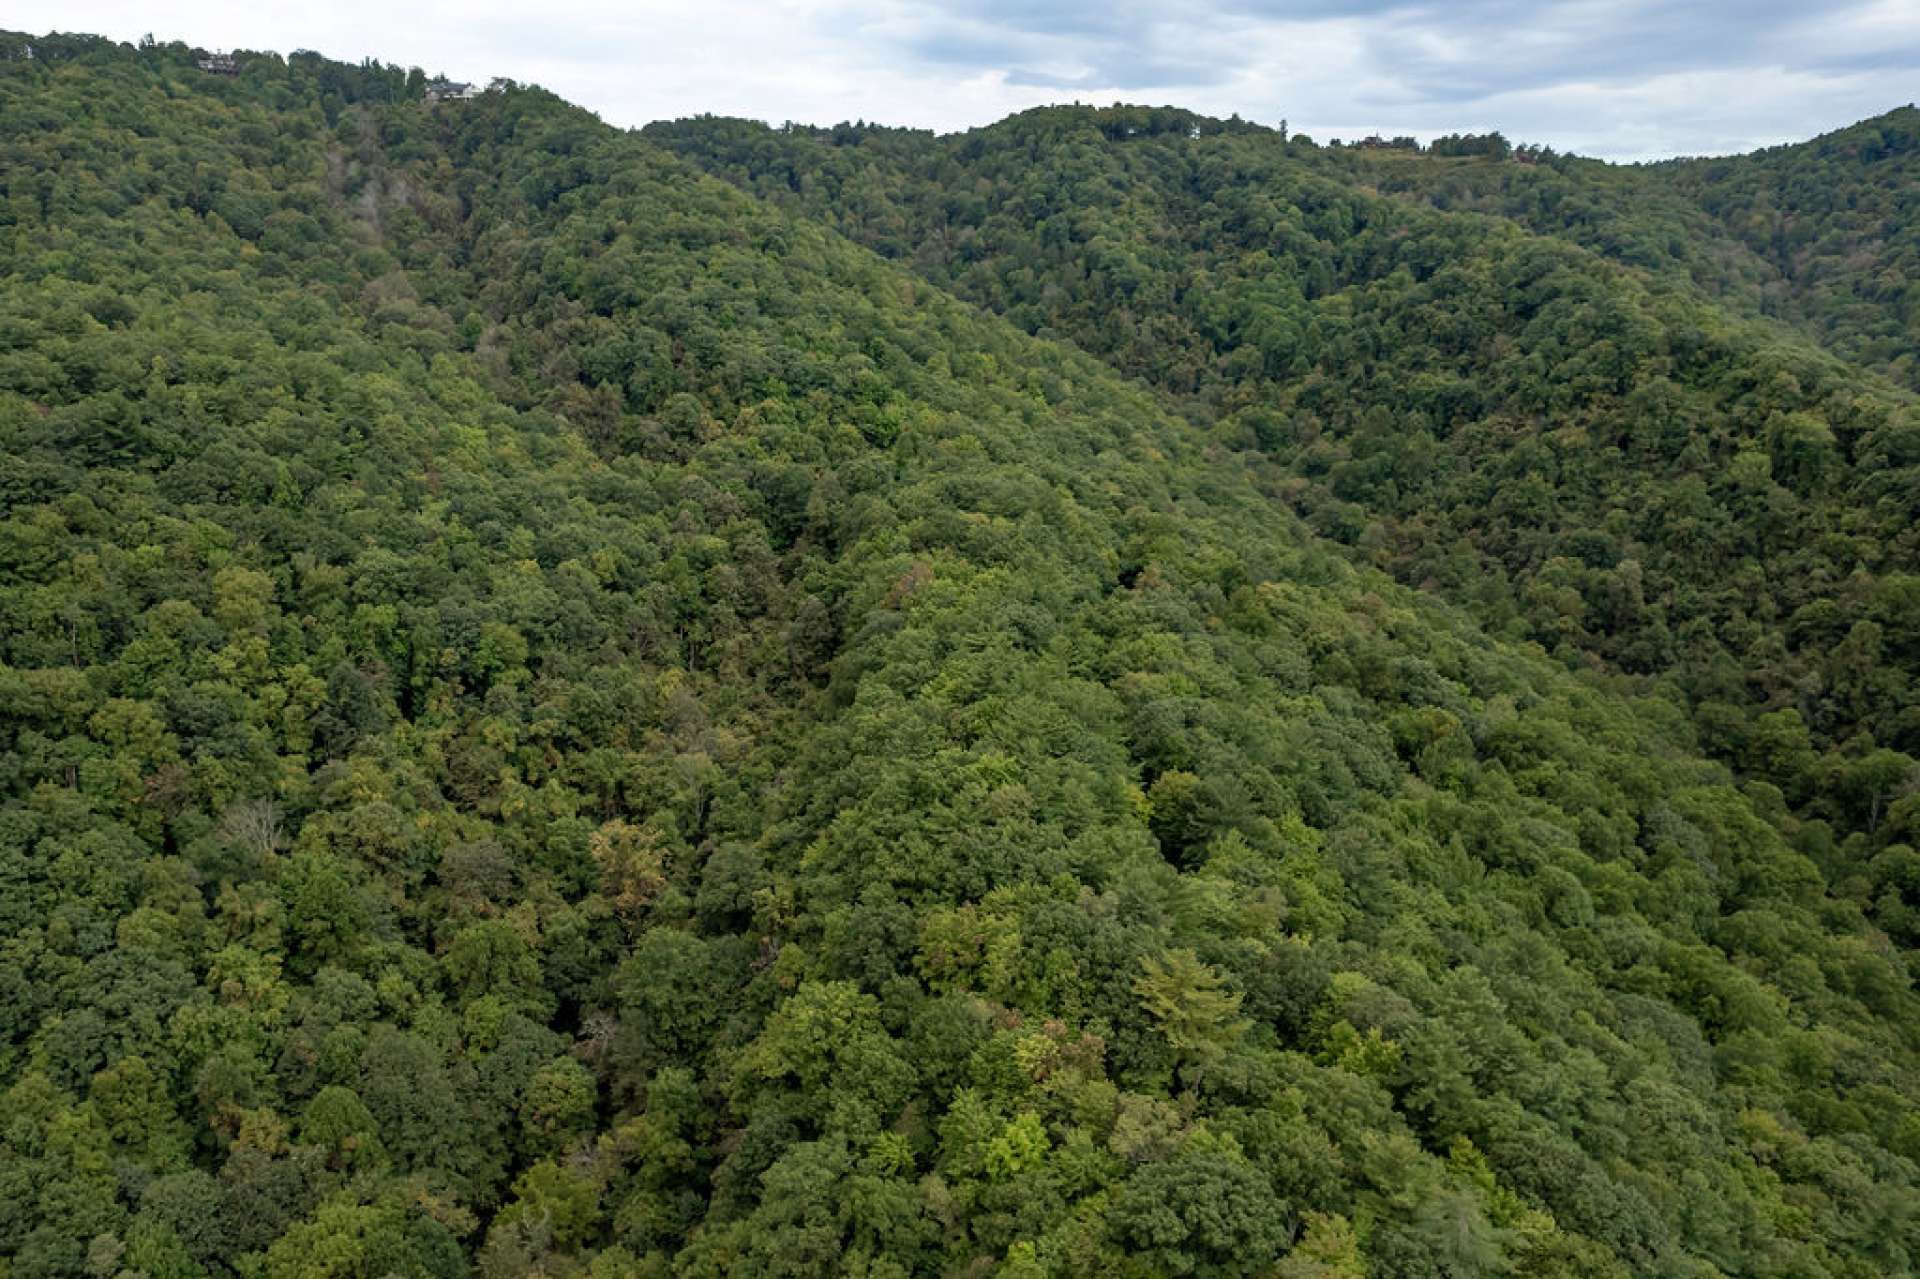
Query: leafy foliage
<point x="1632" y="468"/>
<point x="556" y="718"/>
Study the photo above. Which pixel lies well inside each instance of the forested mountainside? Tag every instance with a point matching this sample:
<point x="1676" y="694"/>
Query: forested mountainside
<point x="1824" y="235"/>
<point x="1839" y="219"/>
<point x="560" y="718"/>
<point x="1620" y="464"/>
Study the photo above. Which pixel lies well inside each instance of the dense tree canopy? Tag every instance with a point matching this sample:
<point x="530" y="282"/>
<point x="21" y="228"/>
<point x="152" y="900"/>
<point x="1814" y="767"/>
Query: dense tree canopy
<point x="1587" y="431"/>
<point x="560" y="718"/>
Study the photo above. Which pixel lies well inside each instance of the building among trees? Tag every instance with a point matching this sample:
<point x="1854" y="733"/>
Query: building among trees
<point x="444" y="90"/>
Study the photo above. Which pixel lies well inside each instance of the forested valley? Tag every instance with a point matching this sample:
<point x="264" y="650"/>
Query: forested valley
<point x="1117" y="694"/>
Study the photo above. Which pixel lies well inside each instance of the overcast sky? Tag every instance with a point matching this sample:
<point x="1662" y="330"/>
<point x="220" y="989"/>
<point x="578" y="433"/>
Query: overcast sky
<point x="1626" y="79"/>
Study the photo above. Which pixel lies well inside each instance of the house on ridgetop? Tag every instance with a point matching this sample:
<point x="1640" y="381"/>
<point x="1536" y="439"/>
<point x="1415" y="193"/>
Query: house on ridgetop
<point x="444" y="90"/>
<point x="217" y="63"/>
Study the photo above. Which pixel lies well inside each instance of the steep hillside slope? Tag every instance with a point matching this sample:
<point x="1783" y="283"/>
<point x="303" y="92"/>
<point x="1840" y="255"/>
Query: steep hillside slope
<point x="555" y="718"/>
<point x="1635" y="215"/>
<point x="1602" y="459"/>
<point x="1823" y="235"/>
<point x="1839" y="218"/>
